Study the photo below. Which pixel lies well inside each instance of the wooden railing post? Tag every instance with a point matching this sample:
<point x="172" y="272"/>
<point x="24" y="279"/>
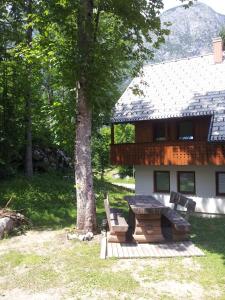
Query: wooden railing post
<point x="112" y="134"/>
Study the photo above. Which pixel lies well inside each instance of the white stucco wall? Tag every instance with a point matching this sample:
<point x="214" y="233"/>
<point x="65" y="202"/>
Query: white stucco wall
<point x="206" y="199"/>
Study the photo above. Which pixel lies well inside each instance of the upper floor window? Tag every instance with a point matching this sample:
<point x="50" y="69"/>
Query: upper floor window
<point x="220" y="183"/>
<point x="186" y="130"/>
<point x="160" y="132"/>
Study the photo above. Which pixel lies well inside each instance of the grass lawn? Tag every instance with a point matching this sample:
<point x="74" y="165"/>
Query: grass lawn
<point x="43" y="264"/>
<point x="109" y="176"/>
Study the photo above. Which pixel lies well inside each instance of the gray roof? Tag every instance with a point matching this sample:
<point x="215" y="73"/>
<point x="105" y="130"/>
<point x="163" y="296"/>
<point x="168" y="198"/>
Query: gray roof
<point x="188" y="87"/>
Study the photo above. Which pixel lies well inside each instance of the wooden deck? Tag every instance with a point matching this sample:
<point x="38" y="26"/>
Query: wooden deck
<point x="129" y="250"/>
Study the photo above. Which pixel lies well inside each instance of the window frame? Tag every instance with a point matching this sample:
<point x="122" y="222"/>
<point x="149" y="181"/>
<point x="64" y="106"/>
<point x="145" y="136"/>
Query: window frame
<point x="178" y="183"/>
<point x="217" y="183"/>
<point x="155" y="182"/>
<point x="178" y="130"/>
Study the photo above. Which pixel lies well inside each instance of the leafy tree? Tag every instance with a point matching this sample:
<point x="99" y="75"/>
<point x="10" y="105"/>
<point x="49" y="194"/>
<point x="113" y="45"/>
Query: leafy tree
<point x="97" y="43"/>
<point x="19" y="82"/>
<point x="100" y="150"/>
<point x="222" y="35"/>
<point x="124" y="133"/>
<point x="36" y="106"/>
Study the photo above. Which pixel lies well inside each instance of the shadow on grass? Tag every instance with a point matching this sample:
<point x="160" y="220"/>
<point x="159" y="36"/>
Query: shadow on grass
<point x="209" y="234"/>
<point x="48" y="200"/>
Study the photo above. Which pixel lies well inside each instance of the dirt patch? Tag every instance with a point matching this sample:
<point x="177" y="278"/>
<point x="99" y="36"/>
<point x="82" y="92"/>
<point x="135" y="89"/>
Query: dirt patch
<point x="135" y="264"/>
<point x="36" y="241"/>
<point x="177" y="290"/>
<point x="146" y="272"/>
<point x="189" y="263"/>
<point x="19" y="294"/>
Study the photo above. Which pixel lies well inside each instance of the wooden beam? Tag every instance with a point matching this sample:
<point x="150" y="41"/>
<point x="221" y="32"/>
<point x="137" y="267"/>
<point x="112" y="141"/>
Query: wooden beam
<point x="112" y="134"/>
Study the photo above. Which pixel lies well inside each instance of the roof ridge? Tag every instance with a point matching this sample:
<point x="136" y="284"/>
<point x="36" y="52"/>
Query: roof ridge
<point x="178" y="59"/>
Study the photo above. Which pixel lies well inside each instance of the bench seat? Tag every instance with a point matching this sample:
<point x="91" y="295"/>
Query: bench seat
<point x="174" y="222"/>
<point x="177" y="220"/>
<point x="118" y="222"/>
<point x="118" y="226"/>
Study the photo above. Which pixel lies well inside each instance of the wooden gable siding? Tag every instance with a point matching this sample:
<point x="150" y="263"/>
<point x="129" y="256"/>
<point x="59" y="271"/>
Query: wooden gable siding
<point x="186" y="153"/>
<point x="144" y="130"/>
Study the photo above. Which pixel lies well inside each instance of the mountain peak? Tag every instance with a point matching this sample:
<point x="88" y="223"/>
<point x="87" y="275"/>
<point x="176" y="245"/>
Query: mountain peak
<point x="197" y="5"/>
<point x="191" y="32"/>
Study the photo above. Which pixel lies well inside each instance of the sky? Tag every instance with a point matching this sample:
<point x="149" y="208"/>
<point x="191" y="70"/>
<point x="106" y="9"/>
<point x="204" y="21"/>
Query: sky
<point x="217" y="5"/>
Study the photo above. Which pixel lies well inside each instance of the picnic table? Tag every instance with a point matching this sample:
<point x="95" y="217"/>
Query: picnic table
<point x="145" y="218"/>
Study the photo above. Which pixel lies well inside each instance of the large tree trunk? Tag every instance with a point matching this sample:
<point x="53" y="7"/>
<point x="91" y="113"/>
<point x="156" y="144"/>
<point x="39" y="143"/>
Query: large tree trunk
<point x="28" y="112"/>
<point x="86" y="214"/>
<point x="86" y="209"/>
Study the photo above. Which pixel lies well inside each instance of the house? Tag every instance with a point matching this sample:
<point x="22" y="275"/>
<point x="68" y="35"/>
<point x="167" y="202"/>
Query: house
<point x="179" y="122"/>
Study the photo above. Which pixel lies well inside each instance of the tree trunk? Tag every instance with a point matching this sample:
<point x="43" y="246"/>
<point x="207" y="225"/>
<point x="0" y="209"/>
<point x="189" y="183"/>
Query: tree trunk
<point x="28" y="112"/>
<point x="86" y="212"/>
<point x="86" y="209"/>
<point x="28" y="128"/>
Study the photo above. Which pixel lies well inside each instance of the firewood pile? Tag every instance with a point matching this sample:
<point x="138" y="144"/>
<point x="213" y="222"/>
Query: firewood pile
<point x="10" y="220"/>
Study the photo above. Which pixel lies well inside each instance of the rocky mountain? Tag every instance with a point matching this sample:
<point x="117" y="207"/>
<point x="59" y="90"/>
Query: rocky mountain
<point x="192" y="31"/>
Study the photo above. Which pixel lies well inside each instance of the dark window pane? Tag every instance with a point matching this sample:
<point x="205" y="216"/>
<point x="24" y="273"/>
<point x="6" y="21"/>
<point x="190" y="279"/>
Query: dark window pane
<point x="221" y="183"/>
<point x="186" y="182"/>
<point x="160" y="132"/>
<point x="162" y="181"/>
<point x="186" y="131"/>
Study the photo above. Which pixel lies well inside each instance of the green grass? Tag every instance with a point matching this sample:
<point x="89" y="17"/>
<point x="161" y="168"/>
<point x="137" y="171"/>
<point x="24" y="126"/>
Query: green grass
<point x="109" y="177"/>
<point x="49" y="201"/>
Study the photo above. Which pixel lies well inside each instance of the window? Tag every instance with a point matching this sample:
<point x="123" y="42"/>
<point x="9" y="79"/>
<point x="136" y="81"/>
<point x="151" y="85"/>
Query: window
<point x="220" y="183"/>
<point x="162" y="181"/>
<point x="160" y="132"/>
<point x="186" y="182"/>
<point x="186" y="130"/>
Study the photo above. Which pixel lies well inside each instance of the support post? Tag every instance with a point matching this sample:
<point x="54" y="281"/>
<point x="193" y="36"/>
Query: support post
<point x="112" y="134"/>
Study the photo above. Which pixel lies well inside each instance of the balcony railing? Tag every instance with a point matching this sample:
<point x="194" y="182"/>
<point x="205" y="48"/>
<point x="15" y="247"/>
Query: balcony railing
<point x="174" y="153"/>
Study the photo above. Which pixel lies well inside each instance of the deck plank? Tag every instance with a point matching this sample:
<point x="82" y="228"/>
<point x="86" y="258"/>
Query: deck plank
<point x="124" y="249"/>
<point x="119" y="250"/>
<point x="109" y="249"/>
<point x="114" y="250"/>
<point x="129" y="250"/>
<point x="103" y="252"/>
<point x="140" y="251"/>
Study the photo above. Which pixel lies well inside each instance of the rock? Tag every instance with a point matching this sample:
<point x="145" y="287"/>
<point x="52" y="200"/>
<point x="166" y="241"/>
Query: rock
<point x="9" y="220"/>
<point x="82" y="237"/>
<point x="88" y="236"/>
<point x="6" y="225"/>
<point x="50" y="159"/>
<point x="72" y="236"/>
<point x="116" y="176"/>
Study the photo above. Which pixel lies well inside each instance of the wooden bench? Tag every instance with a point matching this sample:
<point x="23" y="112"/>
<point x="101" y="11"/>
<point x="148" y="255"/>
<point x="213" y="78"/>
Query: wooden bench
<point x="179" y="199"/>
<point x="118" y="226"/>
<point x="174" y="226"/>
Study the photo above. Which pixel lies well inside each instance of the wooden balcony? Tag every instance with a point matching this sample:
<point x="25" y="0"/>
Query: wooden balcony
<point x="173" y="153"/>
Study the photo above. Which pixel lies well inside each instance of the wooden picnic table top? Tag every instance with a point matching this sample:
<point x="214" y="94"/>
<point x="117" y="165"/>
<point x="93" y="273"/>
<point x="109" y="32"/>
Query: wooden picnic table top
<point x="141" y="204"/>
